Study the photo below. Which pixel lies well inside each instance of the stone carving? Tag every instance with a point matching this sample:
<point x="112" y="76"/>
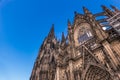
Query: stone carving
<point x="78" y="58"/>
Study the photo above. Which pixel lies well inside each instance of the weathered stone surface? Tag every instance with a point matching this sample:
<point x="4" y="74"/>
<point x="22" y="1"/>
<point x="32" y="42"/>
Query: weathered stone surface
<point x="87" y="53"/>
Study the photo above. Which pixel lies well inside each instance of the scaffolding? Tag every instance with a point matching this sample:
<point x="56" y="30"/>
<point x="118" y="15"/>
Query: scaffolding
<point x="115" y="22"/>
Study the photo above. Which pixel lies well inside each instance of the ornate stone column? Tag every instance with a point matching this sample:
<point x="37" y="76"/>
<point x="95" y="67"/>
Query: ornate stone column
<point x="71" y="70"/>
<point x="110" y="52"/>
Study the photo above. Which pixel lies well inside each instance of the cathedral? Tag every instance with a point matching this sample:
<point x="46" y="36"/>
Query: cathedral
<point x="90" y="51"/>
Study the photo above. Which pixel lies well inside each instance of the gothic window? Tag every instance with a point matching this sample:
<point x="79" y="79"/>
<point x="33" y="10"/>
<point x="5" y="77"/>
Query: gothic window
<point x="86" y="36"/>
<point x="82" y="33"/>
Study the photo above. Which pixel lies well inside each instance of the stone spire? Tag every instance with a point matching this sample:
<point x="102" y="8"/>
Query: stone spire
<point x="115" y="9"/>
<point x="52" y="33"/>
<point x="69" y="24"/>
<point x="86" y="11"/>
<point x="107" y="11"/>
<point x="51" y="36"/>
<point x="63" y="38"/>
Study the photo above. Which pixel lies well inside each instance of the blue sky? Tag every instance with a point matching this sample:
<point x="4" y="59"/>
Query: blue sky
<point x="25" y="23"/>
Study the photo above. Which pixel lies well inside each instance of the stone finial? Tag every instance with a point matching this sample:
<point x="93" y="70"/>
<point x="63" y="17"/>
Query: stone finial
<point x="63" y="37"/>
<point x="86" y="11"/>
<point x="113" y="7"/>
<point x="51" y="33"/>
<point x="69" y="24"/>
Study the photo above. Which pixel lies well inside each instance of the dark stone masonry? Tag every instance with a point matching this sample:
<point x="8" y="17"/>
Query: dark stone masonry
<point x="90" y="51"/>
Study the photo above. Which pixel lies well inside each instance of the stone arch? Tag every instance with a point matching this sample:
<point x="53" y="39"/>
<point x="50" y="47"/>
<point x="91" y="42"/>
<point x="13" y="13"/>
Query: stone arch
<point x="95" y="72"/>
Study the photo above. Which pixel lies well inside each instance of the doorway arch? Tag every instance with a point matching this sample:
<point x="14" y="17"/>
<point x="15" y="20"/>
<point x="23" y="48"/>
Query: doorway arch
<point x="94" y="72"/>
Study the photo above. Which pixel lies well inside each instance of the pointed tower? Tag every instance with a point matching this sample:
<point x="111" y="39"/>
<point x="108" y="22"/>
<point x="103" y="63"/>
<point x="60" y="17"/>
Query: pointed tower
<point x="69" y="31"/>
<point x="86" y="11"/>
<point x="88" y="52"/>
<point x="115" y="9"/>
<point x="63" y="38"/>
<point x="51" y="34"/>
<point x="108" y="12"/>
<point x="44" y="67"/>
<point x="88" y="14"/>
<point x="69" y="25"/>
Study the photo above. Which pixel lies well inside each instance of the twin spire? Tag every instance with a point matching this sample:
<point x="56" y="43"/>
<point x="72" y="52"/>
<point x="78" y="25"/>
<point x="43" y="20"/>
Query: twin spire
<point x="113" y="7"/>
<point x="51" y="34"/>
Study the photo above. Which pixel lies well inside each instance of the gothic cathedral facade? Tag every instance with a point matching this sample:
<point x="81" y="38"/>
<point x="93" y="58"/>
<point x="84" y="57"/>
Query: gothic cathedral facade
<point x="90" y="51"/>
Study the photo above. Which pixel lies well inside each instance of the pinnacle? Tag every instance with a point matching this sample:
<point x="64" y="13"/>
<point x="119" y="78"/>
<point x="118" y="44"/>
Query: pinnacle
<point x="86" y="10"/>
<point x="63" y="37"/>
<point x="52" y="29"/>
<point x="107" y="10"/>
<point x="69" y="23"/>
<point x="104" y="7"/>
<point x="113" y="7"/>
<point x="51" y="34"/>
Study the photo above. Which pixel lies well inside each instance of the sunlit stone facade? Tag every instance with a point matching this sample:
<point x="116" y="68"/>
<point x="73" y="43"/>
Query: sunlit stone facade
<point x="90" y="51"/>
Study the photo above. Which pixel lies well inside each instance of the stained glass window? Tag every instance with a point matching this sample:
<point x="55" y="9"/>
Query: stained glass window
<point x="86" y="36"/>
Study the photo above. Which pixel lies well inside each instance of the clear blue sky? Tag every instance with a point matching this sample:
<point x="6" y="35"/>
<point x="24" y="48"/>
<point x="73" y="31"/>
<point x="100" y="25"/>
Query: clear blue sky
<point x="24" y="25"/>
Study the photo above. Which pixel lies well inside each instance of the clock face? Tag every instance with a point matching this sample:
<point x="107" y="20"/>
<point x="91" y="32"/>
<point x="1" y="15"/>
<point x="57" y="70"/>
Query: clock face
<point x="82" y="33"/>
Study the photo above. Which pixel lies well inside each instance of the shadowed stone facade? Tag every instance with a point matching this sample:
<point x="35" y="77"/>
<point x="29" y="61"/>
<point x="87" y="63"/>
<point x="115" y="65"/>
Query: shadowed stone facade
<point x="90" y="51"/>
